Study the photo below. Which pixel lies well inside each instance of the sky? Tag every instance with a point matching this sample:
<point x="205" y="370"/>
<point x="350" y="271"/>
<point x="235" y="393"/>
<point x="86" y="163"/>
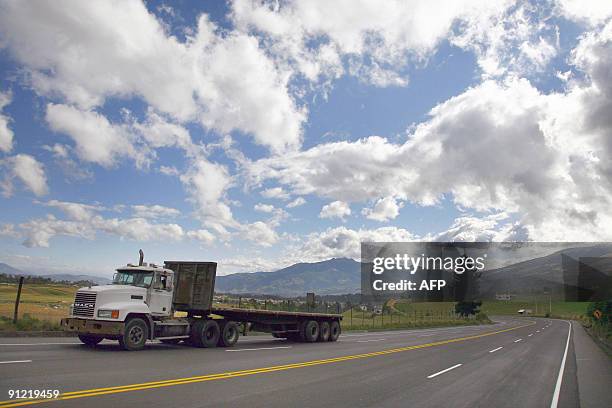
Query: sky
<point x="260" y="134"/>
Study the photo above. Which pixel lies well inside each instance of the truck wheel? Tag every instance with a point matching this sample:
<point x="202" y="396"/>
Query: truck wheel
<point x="324" y="331"/>
<point x="310" y="331"/>
<point x="89" y="340"/>
<point x="334" y="330"/>
<point x="205" y="333"/>
<point x="229" y="334"/>
<point x="135" y="335"/>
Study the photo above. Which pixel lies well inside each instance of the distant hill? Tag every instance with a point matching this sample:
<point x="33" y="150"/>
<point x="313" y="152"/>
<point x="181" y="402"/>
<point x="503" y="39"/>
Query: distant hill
<point x="76" y="278"/>
<point x="331" y="277"/>
<point x="9" y="270"/>
<point x="539" y="275"/>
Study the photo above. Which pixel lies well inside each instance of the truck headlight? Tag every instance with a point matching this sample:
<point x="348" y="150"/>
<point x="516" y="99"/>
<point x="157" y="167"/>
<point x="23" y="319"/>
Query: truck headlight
<point x="108" y="314"/>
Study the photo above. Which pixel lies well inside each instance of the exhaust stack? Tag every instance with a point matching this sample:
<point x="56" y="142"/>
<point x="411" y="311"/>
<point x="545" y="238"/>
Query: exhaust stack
<point x="141" y="259"/>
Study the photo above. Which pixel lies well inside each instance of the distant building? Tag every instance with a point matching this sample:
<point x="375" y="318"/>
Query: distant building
<point x="503" y="296"/>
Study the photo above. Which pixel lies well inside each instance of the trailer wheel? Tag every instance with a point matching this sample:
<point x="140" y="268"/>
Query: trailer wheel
<point x="324" y="331"/>
<point x="205" y="333"/>
<point x="229" y="334"/>
<point x="135" y="335"/>
<point x="310" y="331"/>
<point x="90" y="340"/>
<point x="334" y="330"/>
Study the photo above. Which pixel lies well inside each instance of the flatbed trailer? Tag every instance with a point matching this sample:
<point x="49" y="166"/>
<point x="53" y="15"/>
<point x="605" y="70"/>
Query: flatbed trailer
<point x="277" y="322"/>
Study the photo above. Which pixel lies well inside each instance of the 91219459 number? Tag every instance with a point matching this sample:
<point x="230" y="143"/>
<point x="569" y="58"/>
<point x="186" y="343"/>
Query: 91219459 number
<point x="33" y="394"/>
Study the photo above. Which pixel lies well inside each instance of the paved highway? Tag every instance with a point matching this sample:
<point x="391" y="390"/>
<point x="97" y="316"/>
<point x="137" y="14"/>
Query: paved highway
<point x="517" y="362"/>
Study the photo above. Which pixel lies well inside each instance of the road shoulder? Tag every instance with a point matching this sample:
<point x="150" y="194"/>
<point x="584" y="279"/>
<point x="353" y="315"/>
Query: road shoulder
<point x="594" y="370"/>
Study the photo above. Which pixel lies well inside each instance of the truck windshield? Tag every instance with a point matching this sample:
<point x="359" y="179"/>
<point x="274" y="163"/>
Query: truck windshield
<point x="133" y="278"/>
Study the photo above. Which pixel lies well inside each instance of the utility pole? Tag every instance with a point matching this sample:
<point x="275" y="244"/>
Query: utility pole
<point x="16" y="314"/>
<point x="550" y="304"/>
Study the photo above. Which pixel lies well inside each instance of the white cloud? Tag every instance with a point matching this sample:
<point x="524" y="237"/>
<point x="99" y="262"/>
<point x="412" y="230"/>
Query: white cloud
<point x="592" y="12"/>
<point x="266" y="208"/>
<point x="86" y="61"/>
<point x="154" y="211"/>
<point x="39" y="232"/>
<point x="322" y="39"/>
<point x="482" y="229"/>
<point x="75" y="211"/>
<point x="341" y="242"/>
<point x="336" y="209"/>
<point x="385" y="209"/>
<point x="86" y="221"/>
<point x="514" y="41"/>
<point x="8" y="230"/>
<point x="207" y="184"/>
<point x="275" y="192"/>
<point x="499" y="146"/>
<point x="202" y="235"/>
<point x="260" y="233"/>
<point x="297" y="202"/>
<point x="6" y="133"/>
<point x="28" y="170"/>
<point x="97" y="140"/>
<point x="169" y="171"/>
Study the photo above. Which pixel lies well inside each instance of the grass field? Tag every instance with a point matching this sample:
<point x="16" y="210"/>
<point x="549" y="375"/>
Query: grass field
<point x="567" y="310"/>
<point x="43" y="302"/>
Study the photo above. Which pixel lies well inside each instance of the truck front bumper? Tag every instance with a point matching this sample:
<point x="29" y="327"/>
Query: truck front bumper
<point x="90" y="326"/>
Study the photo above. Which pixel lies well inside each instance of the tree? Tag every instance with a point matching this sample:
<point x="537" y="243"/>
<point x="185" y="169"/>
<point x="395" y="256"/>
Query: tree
<point x="466" y="309"/>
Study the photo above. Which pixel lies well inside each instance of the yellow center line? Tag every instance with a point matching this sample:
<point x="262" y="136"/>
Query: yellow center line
<point x="233" y="374"/>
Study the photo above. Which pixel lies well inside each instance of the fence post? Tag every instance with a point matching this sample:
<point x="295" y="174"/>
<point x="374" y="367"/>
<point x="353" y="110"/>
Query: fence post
<point x="16" y="314"/>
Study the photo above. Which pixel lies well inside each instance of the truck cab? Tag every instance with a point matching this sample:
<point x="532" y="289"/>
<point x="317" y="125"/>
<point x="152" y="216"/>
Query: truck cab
<point x="142" y="291"/>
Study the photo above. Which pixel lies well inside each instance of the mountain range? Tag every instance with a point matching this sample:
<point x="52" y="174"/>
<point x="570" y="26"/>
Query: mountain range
<point x="9" y="270"/>
<point x="331" y="277"/>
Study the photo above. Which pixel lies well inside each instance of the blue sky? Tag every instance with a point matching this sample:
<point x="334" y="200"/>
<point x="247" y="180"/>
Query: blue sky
<point x="259" y="135"/>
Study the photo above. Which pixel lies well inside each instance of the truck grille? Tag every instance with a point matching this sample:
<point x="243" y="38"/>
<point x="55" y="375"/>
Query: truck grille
<point x="84" y="304"/>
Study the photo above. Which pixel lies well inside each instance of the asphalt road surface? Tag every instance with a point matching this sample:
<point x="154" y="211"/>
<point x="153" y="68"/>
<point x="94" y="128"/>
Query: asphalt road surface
<point x="517" y="362"/>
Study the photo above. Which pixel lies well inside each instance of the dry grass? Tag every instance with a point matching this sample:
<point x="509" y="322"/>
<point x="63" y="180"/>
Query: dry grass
<point x="43" y="302"/>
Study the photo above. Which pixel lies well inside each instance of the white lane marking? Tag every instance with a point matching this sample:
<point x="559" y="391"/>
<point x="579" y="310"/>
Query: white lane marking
<point x="261" y="348"/>
<point x="516" y="341"/>
<point x="368" y="341"/>
<point x="531" y="334"/>
<point x="555" y="399"/>
<point x="15" y="361"/>
<point x="444" y="371"/>
<point x="495" y="349"/>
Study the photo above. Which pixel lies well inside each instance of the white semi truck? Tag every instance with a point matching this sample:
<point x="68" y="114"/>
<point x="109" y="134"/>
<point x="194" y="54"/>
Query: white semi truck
<point x="141" y="302"/>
